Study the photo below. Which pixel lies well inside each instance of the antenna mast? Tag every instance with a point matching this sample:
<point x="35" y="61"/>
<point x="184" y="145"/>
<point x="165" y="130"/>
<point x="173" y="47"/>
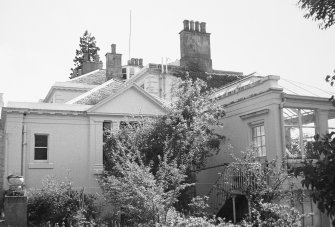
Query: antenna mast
<point x="129" y="32"/>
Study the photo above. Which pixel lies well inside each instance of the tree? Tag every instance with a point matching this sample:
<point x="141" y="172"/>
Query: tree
<point x="187" y="133"/>
<point x="87" y="44"/>
<point x="320" y="10"/>
<point x="135" y="193"/>
<point x="320" y="177"/>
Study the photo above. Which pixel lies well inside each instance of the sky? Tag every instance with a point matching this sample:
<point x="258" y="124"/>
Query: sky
<point x="38" y="38"/>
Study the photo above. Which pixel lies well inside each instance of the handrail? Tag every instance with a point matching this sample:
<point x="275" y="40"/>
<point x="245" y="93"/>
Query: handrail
<point x="235" y="178"/>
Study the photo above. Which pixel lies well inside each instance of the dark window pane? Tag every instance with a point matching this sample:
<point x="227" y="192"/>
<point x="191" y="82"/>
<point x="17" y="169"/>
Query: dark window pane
<point x="41" y="154"/>
<point x="41" y="141"/>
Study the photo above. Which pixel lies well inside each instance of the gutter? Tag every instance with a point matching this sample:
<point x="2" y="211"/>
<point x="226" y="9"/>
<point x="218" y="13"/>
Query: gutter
<point x="24" y="144"/>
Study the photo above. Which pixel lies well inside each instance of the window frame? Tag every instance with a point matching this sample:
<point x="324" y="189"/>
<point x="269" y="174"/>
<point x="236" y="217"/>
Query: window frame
<point x="300" y="126"/>
<point x="253" y="126"/>
<point x="47" y="147"/>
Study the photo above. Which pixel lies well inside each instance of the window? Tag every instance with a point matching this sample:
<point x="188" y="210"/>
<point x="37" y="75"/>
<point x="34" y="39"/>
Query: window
<point x="299" y="131"/>
<point x="124" y="73"/>
<point x="41" y="147"/>
<point x="258" y="138"/>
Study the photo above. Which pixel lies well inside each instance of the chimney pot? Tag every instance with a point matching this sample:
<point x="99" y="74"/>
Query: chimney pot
<point x="203" y="27"/>
<point x="192" y="25"/>
<point x="79" y="72"/>
<point x="140" y="62"/>
<point x="133" y="61"/>
<point x="136" y="61"/>
<point x="197" y="26"/>
<point x="113" y="48"/>
<point x="186" y="25"/>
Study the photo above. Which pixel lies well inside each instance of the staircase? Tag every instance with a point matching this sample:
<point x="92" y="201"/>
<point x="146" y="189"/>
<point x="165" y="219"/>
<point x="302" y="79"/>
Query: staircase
<point x="234" y="179"/>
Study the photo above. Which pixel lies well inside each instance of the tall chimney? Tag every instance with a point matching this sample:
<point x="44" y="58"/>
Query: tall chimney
<point x="195" y="48"/>
<point x="197" y="26"/>
<point x="113" y="64"/>
<point x="192" y="25"/>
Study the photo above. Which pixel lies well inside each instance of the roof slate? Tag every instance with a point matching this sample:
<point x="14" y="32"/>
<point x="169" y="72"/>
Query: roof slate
<point x="98" y="94"/>
<point x="96" y="77"/>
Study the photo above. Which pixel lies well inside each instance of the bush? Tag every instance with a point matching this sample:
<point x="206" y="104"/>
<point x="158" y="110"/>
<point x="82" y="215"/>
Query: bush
<point x="58" y="203"/>
<point x="271" y="214"/>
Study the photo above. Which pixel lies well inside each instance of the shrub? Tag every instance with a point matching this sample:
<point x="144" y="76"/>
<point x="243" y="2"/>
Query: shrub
<point x="271" y="214"/>
<point x="58" y="203"/>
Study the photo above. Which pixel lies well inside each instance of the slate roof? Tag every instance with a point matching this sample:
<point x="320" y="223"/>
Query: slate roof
<point x="98" y="93"/>
<point x="96" y="77"/>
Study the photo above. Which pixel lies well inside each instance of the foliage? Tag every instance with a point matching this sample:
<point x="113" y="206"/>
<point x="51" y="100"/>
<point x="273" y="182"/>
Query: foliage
<point x="320" y="177"/>
<point x="271" y="214"/>
<point x="87" y="44"/>
<point x="321" y="10"/>
<point x="186" y="132"/>
<point x="212" y="79"/>
<point x="262" y="180"/>
<point x="188" y="129"/>
<point x="199" y="206"/>
<point x="331" y="79"/>
<point x="264" y="184"/>
<point x="177" y="219"/>
<point x="137" y="195"/>
<point x="58" y="203"/>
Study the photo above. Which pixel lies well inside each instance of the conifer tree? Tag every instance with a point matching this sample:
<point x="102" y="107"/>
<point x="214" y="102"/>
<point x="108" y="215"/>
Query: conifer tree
<point x="87" y="44"/>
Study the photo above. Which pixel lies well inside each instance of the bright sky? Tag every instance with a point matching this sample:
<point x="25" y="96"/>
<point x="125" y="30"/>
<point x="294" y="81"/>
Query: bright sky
<point x="38" y="38"/>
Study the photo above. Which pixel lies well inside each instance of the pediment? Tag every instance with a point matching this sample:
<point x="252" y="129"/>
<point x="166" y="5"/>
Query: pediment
<point x="132" y="100"/>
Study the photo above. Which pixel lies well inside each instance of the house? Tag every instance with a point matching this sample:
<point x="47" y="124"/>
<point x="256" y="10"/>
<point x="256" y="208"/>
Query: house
<point x="280" y="117"/>
<point x="63" y="134"/>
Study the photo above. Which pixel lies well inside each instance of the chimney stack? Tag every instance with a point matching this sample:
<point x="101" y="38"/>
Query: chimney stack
<point x="113" y="64"/>
<point x="195" y="46"/>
